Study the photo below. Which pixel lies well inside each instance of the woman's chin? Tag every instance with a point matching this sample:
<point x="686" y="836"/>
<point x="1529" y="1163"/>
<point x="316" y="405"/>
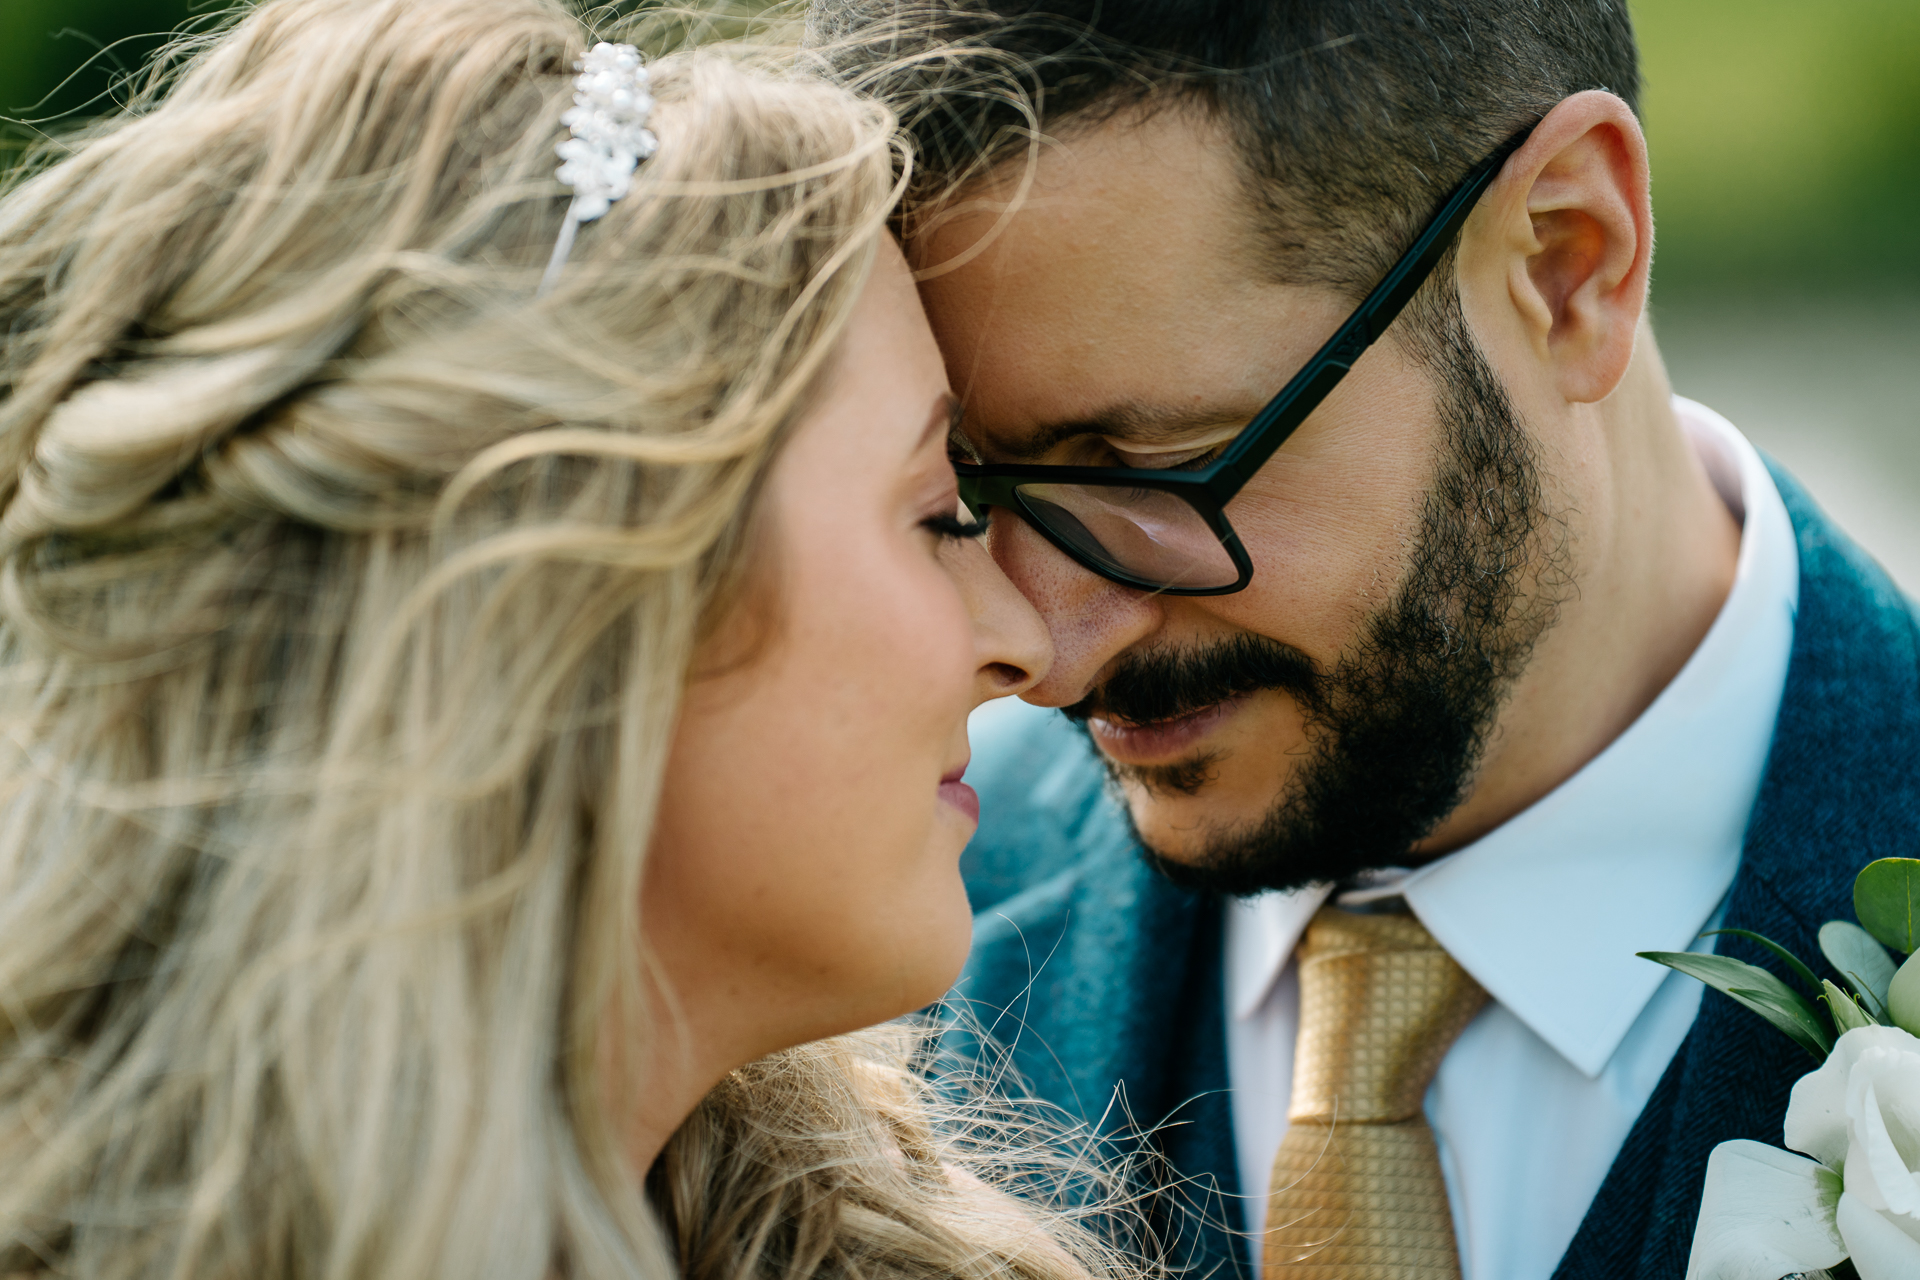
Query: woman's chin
<point x="940" y="950"/>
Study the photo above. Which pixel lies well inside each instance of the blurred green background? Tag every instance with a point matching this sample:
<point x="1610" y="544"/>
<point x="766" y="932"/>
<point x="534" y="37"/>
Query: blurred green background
<point x="1786" y="160"/>
<point x="60" y="57"/>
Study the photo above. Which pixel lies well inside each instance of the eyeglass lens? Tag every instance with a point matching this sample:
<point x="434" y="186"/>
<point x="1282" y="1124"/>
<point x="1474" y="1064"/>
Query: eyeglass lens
<point x="1145" y="534"/>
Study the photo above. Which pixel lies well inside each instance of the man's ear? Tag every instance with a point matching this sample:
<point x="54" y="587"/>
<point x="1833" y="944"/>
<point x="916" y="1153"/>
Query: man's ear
<point x="1576" y="225"/>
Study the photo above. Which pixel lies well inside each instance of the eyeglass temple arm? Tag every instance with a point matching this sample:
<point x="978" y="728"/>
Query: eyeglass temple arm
<point x="1369" y="320"/>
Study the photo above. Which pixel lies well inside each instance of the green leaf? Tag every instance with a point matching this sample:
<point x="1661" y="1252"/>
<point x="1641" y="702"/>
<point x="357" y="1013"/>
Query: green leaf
<point x="1903" y="996"/>
<point x="1787" y="957"/>
<point x="1847" y="1014"/>
<point x="1862" y="961"/>
<point x="1886" y="897"/>
<point x="1802" y="1021"/>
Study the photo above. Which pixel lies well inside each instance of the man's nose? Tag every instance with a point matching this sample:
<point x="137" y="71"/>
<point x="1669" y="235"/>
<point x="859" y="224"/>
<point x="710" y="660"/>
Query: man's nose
<point x="1090" y="620"/>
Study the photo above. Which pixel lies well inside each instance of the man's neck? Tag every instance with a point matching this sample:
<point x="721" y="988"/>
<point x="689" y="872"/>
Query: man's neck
<point x="1654" y="551"/>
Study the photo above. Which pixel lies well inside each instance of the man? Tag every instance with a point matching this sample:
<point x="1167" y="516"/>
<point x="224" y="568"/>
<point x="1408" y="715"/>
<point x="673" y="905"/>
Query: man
<point x="1428" y="698"/>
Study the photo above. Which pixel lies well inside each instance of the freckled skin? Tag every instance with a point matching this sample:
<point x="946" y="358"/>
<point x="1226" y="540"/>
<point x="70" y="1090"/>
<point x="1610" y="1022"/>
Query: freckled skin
<point x="804" y="878"/>
<point x="1127" y="277"/>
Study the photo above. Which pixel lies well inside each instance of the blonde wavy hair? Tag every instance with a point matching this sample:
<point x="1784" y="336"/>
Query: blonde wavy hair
<point x="347" y="594"/>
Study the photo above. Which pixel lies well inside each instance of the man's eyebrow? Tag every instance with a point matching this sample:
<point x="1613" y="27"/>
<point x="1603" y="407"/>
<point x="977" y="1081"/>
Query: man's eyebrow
<point x="1128" y="422"/>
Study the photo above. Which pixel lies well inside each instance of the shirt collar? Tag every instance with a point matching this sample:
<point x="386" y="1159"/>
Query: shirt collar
<point x="1632" y="853"/>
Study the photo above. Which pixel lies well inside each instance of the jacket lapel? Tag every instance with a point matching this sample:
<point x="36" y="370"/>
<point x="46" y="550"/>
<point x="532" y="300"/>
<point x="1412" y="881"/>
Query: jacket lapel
<point x="1842" y="787"/>
<point x="1102" y="985"/>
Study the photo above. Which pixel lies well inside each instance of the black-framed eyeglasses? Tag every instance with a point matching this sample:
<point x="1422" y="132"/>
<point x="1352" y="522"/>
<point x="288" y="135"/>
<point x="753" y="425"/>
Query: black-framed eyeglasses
<point x="1166" y="531"/>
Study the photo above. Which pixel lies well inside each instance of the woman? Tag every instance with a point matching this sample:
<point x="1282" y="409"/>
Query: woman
<point x="458" y="727"/>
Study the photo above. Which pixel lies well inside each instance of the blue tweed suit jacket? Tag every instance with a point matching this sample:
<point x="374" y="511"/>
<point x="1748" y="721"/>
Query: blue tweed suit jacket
<point x="1107" y="981"/>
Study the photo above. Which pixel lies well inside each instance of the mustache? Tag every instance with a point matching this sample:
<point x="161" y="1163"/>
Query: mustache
<point x="1153" y="685"/>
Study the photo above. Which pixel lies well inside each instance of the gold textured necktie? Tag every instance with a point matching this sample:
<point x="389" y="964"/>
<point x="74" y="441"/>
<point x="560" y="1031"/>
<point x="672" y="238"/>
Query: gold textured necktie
<point x="1357" y="1192"/>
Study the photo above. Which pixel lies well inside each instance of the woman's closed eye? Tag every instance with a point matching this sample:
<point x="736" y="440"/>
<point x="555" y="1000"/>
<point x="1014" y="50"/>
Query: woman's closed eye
<point x="957" y="524"/>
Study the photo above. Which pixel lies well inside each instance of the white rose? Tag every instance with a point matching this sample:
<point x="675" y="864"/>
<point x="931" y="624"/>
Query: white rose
<point x="1765" y="1213"/>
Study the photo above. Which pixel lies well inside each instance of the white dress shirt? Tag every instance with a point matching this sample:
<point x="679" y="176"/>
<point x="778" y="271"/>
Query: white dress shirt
<point x="1635" y="852"/>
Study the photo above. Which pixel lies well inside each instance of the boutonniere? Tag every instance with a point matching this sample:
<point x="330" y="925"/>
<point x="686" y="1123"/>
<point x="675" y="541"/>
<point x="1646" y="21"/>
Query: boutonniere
<point x="1849" y="1204"/>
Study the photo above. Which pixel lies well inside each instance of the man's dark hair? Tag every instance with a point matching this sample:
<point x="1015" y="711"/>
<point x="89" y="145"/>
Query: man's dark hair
<point x="1352" y="117"/>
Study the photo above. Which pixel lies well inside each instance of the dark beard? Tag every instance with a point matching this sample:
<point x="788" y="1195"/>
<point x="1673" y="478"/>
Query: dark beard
<point x="1397" y="729"/>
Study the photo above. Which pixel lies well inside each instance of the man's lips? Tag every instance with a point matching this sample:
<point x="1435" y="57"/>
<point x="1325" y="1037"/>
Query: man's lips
<point x="1163" y="741"/>
<point x="960" y="795"/>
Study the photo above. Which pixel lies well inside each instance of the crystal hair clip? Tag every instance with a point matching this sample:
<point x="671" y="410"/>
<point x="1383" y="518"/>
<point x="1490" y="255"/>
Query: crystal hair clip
<point x="609" y="138"/>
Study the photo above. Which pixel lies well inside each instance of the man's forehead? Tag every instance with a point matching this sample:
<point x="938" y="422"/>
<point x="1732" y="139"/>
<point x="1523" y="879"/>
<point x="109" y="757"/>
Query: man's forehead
<point x="1113" y="290"/>
<point x="1100" y="216"/>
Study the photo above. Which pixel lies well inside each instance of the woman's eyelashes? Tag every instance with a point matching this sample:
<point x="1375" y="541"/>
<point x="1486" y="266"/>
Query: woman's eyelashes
<point x="950" y="525"/>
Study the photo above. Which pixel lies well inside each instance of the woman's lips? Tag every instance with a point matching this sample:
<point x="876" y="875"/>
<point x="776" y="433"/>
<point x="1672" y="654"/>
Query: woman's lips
<point x="960" y="795"/>
<point x="1163" y="741"/>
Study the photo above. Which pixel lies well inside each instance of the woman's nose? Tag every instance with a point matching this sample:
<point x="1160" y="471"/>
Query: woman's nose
<point x="1012" y="648"/>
